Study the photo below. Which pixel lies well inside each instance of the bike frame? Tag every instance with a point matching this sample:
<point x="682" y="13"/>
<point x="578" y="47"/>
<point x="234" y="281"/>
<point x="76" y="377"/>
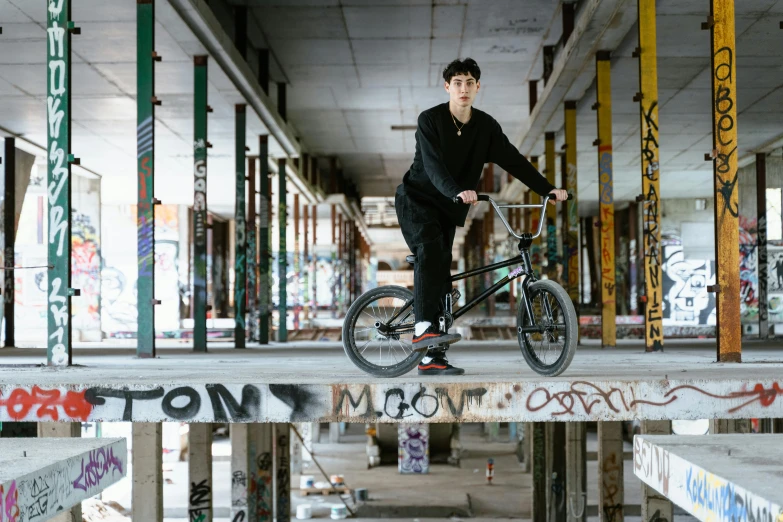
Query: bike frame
<point x="523" y="259"/>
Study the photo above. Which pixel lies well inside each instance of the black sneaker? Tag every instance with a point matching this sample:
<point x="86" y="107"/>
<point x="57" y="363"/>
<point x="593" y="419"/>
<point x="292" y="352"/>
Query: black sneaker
<point x="436" y="363"/>
<point x="433" y="337"/>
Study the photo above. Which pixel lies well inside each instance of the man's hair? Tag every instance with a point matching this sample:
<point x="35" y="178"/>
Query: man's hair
<point x="466" y="66"/>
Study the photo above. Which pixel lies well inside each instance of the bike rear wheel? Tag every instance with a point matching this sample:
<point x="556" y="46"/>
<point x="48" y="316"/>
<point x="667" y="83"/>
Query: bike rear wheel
<point x="548" y="339"/>
<point x="374" y="339"/>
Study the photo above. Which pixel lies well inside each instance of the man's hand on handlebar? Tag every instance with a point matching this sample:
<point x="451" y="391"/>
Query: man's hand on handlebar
<point x="468" y="196"/>
<point x="558" y="195"/>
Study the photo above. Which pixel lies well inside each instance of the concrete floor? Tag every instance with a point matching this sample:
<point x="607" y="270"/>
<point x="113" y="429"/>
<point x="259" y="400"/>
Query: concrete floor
<point x="326" y="363"/>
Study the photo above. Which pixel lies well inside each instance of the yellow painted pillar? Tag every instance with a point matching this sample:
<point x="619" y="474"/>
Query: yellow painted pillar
<point x="724" y="142"/>
<point x="571" y="251"/>
<point x="550" y="225"/>
<point x="606" y="198"/>
<point x="651" y="179"/>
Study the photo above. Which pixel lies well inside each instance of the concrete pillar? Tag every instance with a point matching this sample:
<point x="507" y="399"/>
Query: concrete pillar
<point x="548" y="463"/>
<point x="539" y="497"/>
<point x="240" y="230"/>
<point x="551" y="211"/>
<point x="282" y="331"/>
<point x="761" y="234"/>
<point x="576" y="471"/>
<point x="282" y="471"/>
<point x="147" y="461"/>
<point x="777" y="426"/>
<point x="655" y="506"/>
<point x="334" y="432"/>
<point x="296" y="453"/>
<point x="724" y="164"/>
<point x="263" y="476"/>
<point x="297" y="265"/>
<point x="724" y="426"/>
<point x="651" y="177"/>
<point x="200" y="472"/>
<point x="242" y="472"/>
<point x="526" y="445"/>
<point x="200" y="225"/>
<point x="264" y="240"/>
<point x="606" y="199"/>
<point x="558" y="505"/>
<point x="306" y="431"/>
<point x="610" y="471"/>
<point x="63" y="429"/>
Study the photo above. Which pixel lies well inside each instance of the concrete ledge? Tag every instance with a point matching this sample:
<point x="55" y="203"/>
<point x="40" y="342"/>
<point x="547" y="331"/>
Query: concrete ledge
<point x="42" y="477"/>
<point x="715" y="477"/>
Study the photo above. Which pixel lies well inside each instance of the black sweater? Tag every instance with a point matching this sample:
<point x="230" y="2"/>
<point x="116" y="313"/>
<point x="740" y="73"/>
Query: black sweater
<point x="446" y="164"/>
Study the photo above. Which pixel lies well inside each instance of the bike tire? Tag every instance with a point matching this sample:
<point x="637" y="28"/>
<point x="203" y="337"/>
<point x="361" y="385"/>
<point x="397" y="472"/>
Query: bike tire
<point x="570" y="330"/>
<point x="349" y="329"/>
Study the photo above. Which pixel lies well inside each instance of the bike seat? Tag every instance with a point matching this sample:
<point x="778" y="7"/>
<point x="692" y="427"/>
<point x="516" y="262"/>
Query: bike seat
<point x="410" y="259"/>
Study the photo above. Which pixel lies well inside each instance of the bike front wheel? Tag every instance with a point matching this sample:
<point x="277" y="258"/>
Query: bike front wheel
<point x="548" y="338"/>
<point x="378" y="332"/>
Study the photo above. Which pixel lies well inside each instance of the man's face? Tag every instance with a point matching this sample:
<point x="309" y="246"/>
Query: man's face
<point x="462" y="89"/>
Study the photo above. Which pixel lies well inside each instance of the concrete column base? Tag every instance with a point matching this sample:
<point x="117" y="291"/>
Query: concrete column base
<point x="63" y="429"/>
<point x="242" y="464"/>
<point x="147" y="487"/>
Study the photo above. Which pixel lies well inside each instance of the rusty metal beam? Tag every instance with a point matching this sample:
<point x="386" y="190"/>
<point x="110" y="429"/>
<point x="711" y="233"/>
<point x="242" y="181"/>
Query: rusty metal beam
<point x="606" y="198"/>
<point x="761" y="214"/>
<point x="651" y="179"/>
<point x="724" y="143"/>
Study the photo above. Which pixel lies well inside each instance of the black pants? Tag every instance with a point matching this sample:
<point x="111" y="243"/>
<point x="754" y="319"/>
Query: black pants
<point x="430" y="236"/>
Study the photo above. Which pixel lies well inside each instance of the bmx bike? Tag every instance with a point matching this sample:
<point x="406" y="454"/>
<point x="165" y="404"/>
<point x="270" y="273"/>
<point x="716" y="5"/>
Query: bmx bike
<point x="378" y="329"/>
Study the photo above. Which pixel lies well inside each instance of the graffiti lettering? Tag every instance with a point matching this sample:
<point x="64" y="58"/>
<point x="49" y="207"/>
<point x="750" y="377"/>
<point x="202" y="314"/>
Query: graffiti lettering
<point x="200" y="501"/>
<point x="100" y="462"/>
<point x="653" y="461"/>
<point x="45" y="404"/>
<point x="725" y="133"/>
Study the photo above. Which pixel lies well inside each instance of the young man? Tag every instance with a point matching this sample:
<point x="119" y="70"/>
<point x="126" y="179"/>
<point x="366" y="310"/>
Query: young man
<point x="453" y="142"/>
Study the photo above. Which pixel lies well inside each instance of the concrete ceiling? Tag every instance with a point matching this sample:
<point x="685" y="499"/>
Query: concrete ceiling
<point x="357" y="67"/>
<point x="104" y="98"/>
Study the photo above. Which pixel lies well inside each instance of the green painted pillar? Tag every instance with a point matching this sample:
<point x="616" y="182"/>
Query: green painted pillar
<point x="252" y="247"/>
<point x="199" y="301"/>
<point x="240" y="231"/>
<point x="9" y="231"/>
<point x="145" y="154"/>
<point x="264" y="240"/>
<point x="282" y="332"/>
<point x="58" y="116"/>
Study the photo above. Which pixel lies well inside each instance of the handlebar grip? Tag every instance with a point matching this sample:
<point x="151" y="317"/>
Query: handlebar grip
<point x="483" y="197"/>
<point x="457" y="199"/>
<point x="570" y="197"/>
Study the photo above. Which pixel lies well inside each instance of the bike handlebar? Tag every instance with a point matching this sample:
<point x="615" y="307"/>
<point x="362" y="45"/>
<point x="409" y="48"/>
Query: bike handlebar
<point x="485" y="197"/>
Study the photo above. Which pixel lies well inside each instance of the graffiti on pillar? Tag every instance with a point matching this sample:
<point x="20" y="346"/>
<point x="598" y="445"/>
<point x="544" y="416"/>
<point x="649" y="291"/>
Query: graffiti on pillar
<point x="725" y="134"/>
<point x="264" y="486"/>
<point x="572" y="249"/>
<point x="763" y="279"/>
<point x="58" y="190"/>
<point x="612" y="485"/>
<point x="653" y="462"/>
<point x="651" y="226"/>
<point x="414" y="448"/>
<point x="608" y="297"/>
<point x="9" y="507"/>
<point x="283" y="475"/>
<point x="239" y="495"/>
<point x="200" y="501"/>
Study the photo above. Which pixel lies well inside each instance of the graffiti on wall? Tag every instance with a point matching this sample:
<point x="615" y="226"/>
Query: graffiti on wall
<point x="85" y="271"/>
<point x="413" y="451"/>
<point x="409" y="402"/>
<point x="41" y="495"/>
<point x="685" y="281"/>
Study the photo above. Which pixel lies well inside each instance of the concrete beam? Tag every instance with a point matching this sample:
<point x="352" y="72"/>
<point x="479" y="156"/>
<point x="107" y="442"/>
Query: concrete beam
<point x="200" y="19"/>
<point x="195" y="398"/>
<point x="42" y="477"/>
<point x="200" y="506"/>
<point x="601" y="24"/>
<point x="718" y="478"/>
